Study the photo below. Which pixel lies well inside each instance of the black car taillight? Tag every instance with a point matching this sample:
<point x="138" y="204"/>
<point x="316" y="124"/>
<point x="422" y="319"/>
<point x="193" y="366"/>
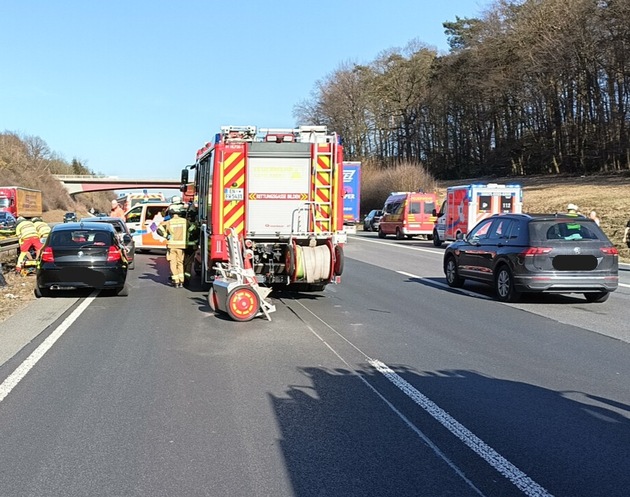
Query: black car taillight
<point x="113" y="254"/>
<point x="48" y="255"/>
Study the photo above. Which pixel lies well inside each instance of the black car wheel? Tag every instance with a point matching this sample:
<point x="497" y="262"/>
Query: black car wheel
<point x="380" y="233"/>
<point x="596" y="296"/>
<point x="436" y="239"/>
<point x="453" y="278"/>
<point x="399" y="235"/>
<point x="123" y="292"/>
<point x="504" y="285"/>
<point x="41" y="292"/>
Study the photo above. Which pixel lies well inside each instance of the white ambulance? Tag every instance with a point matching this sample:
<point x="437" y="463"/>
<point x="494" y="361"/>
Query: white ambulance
<point x="143" y="221"/>
<point x="466" y="205"/>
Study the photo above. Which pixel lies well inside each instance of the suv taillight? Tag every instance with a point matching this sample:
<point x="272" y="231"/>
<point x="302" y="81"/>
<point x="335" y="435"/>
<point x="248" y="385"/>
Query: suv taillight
<point x="113" y="254"/>
<point x="531" y="251"/>
<point x="47" y="255"/>
<point x="609" y="250"/>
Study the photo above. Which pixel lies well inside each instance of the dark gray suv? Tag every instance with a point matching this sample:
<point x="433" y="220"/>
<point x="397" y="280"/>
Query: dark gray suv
<point x="517" y="253"/>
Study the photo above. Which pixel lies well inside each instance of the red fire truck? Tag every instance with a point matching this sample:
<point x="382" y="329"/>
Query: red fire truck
<point x="281" y="192"/>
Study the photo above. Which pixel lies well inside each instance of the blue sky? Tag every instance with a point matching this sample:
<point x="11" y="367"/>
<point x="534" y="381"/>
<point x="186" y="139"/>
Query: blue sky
<point x="133" y="88"/>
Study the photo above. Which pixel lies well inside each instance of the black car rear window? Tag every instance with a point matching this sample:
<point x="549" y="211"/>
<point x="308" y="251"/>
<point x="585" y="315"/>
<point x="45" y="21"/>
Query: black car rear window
<point x="72" y="238"/>
<point x="563" y="230"/>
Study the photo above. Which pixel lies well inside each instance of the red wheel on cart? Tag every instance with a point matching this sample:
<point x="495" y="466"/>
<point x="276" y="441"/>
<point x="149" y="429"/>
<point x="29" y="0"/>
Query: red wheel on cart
<point x="243" y="303"/>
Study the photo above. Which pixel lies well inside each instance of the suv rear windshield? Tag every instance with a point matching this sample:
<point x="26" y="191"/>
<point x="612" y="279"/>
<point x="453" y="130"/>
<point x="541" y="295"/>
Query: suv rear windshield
<point x="564" y="230"/>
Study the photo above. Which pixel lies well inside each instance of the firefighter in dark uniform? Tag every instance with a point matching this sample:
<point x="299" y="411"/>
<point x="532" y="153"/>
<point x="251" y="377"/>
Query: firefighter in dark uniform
<point x="192" y="242"/>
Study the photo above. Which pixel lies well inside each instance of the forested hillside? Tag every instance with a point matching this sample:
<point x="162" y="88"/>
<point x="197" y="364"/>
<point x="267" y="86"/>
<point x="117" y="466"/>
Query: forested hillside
<point x="28" y="161"/>
<point x="530" y="87"/>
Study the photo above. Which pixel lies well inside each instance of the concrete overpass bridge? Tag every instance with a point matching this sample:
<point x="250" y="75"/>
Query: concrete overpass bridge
<point x="75" y="184"/>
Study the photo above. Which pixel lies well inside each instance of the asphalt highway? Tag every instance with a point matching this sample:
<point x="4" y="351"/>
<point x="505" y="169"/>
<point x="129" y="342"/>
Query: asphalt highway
<point x="390" y="383"/>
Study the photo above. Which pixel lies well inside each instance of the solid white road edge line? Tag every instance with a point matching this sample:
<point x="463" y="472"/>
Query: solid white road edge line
<point x="418" y="249"/>
<point x="523" y="482"/>
<point x="21" y="371"/>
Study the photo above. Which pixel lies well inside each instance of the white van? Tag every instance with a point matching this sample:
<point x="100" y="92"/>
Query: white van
<point x="143" y="221"/>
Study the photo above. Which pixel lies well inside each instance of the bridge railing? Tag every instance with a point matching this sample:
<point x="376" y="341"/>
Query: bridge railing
<point x="83" y="176"/>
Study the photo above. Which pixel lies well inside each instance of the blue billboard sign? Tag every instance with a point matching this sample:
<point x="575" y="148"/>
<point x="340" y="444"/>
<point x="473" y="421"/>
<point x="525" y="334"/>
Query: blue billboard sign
<point x="351" y="192"/>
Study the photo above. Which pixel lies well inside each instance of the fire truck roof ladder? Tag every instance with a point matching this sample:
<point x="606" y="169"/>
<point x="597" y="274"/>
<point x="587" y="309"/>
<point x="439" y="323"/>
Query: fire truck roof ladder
<point x="324" y="172"/>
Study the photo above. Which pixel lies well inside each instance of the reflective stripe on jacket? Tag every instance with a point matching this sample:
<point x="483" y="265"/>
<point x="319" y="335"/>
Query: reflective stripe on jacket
<point x="176" y="229"/>
<point x="43" y="229"/>
<point x="26" y="230"/>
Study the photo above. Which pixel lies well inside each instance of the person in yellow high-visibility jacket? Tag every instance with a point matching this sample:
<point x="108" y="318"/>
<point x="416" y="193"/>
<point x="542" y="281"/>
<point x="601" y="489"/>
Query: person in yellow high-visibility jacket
<point x="43" y="229"/>
<point x="28" y="239"/>
<point x="174" y="230"/>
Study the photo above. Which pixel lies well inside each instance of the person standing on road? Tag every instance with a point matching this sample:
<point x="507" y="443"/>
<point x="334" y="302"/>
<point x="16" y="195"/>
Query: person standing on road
<point x="593" y="216"/>
<point x="174" y="230"/>
<point x="117" y="210"/>
<point x="28" y="239"/>
<point x="626" y="234"/>
<point x="192" y="242"/>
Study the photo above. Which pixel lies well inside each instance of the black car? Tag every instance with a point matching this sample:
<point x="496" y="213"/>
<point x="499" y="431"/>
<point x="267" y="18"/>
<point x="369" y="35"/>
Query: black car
<point x="372" y="220"/>
<point x="82" y="255"/>
<point x="7" y="221"/>
<point x="70" y="217"/>
<point x="122" y="232"/>
<point x="546" y="253"/>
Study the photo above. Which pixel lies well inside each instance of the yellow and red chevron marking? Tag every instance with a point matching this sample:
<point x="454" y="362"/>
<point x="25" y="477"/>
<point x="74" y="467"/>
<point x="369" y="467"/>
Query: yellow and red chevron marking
<point x="321" y="226"/>
<point x="322" y="189"/>
<point x="323" y="163"/>
<point x="233" y="177"/>
<point x="234" y="216"/>
<point x="234" y="170"/>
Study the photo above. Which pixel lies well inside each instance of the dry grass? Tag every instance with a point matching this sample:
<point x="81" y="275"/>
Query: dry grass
<point x="17" y="293"/>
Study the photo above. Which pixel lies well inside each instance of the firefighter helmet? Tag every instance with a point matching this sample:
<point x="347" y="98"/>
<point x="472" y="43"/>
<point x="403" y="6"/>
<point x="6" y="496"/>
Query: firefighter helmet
<point x="176" y="209"/>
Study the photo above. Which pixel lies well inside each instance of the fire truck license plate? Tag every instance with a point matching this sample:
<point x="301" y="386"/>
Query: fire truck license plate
<point x="233" y="194"/>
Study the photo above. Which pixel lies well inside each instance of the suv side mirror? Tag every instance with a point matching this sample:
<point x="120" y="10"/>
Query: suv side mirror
<point x="126" y="238"/>
<point x="434" y="213"/>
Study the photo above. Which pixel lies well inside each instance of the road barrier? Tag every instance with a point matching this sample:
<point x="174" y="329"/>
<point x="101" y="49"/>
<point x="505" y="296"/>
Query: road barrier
<point x="8" y="245"/>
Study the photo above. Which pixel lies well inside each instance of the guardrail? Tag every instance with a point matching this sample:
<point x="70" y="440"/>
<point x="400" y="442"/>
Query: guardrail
<point x="9" y="244"/>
